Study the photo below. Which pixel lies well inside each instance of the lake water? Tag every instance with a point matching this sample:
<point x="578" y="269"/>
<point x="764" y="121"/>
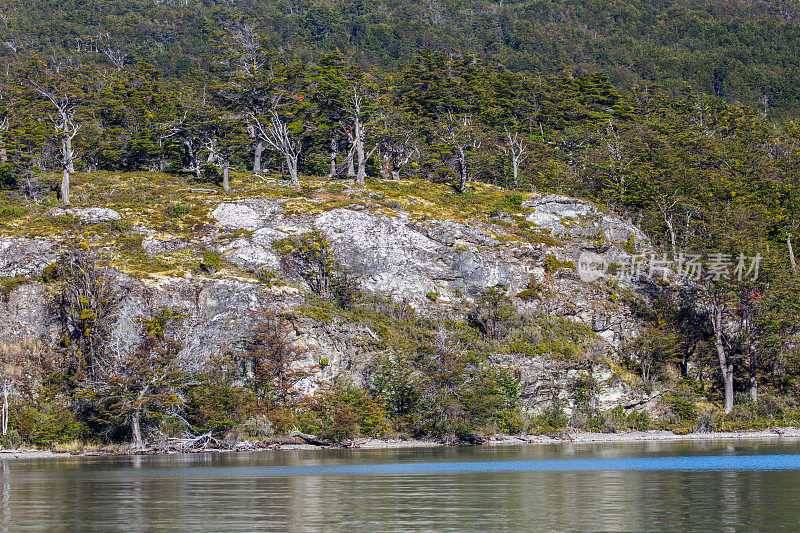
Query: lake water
<point x="634" y="486"/>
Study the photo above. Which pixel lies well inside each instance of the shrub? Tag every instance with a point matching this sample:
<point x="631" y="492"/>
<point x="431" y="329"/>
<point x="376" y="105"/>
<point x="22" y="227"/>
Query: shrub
<point x="7" y="285"/>
<point x="344" y="412"/>
<point x="533" y="291"/>
<point x="11" y="211"/>
<point x="494" y="312"/>
<point x="552" y="264"/>
<point x="8" y="176"/>
<point x="210" y="174"/>
<point x="256" y="427"/>
<point x="345" y="288"/>
<point x="211" y="262"/>
<point x="309" y="255"/>
<point x="42" y="425"/>
<point x="268" y="277"/>
<point x="551" y="418"/>
<point x="682" y="406"/>
<point x="177" y="210"/>
<point x="216" y="404"/>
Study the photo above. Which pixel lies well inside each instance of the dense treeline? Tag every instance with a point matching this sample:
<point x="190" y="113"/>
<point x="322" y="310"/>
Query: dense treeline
<point x="737" y="50"/>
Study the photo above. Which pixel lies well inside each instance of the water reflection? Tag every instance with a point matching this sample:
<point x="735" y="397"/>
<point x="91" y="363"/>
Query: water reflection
<point x="411" y="490"/>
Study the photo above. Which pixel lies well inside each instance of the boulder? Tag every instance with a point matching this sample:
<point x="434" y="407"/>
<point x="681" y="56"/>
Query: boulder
<point x="92" y="215"/>
<point x="249" y="214"/>
<point x="25" y="257"/>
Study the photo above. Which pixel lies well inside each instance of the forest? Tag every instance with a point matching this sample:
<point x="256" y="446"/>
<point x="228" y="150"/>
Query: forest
<point x="676" y="115"/>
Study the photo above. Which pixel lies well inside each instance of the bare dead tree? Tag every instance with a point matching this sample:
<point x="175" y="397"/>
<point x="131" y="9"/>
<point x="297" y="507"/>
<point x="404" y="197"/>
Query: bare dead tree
<point x="460" y="133"/>
<point x="247" y="43"/>
<point x="666" y="205"/>
<point x="357" y="111"/>
<point x="516" y="150"/>
<point x="116" y="55"/>
<point x="4" y="125"/>
<point x="277" y="136"/>
<point x="64" y="122"/>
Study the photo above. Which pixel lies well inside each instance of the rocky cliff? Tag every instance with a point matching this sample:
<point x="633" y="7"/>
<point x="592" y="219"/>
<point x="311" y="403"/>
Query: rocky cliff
<point x="439" y="265"/>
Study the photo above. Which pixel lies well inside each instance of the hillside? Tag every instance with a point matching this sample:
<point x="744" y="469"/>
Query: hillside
<point x="403" y="307"/>
<point x="742" y="50"/>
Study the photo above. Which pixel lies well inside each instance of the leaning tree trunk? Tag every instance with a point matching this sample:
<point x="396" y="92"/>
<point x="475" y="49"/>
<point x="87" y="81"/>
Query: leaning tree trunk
<point x="257" y="156"/>
<point x="792" y="259"/>
<point x="65" y="186"/>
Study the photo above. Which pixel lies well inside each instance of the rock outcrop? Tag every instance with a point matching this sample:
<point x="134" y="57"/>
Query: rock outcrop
<point x="437" y="266"/>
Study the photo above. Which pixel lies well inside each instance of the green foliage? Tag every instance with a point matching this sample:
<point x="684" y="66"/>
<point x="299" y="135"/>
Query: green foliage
<point x="552" y="418"/>
<point x="494" y="312"/>
<point x="441" y="392"/>
<point x="44" y="424"/>
<point x="553" y="264"/>
<point x="11" y="211"/>
<point x="268" y="277"/>
<point x="177" y="210"/>
<point x="9" y="284"/>
<point x="533" y="291"/>
<point x="310" y="256"/>
<point x="682" y="406"/>
<point x="210" y="262"/>
<point x="344" y="412"/>
<point x="8" y="177"/>
<point x="216" y="404"/>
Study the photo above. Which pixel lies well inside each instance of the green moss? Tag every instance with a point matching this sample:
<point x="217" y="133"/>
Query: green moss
<point x="552" y="264"/>
<point x="630" y="245"/>
<point x="7" y="285"/>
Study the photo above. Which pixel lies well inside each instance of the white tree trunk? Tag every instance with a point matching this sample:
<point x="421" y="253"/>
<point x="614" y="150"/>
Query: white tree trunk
<point x="792" y="259"/>
<point x="753" y="375"/>
<point x="462" y="170"/>
<point x="359" y="145"/>
<point x="515" y="170"/>
<point x="65" y="186"/>
<point x="291" y="163"/>
<point x="136" y="431"/>
<point x="226" y="184"/>
<point x="725" y="364"/>
<point x="257" y="156"/>
<point x="5" y="408"/>
<point x="351" y="170"/>
<point x="334" y="154"/>
<point x="69" y="155"/>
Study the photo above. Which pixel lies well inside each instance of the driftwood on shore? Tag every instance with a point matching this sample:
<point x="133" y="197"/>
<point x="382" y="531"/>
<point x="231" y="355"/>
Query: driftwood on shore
<point x="188" y="444"/>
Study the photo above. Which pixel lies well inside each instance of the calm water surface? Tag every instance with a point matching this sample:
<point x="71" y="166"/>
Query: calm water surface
<point x="644" y="486"/>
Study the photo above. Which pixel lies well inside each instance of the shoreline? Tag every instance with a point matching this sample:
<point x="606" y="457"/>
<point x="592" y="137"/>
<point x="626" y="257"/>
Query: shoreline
<point x="773" y="434"/>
